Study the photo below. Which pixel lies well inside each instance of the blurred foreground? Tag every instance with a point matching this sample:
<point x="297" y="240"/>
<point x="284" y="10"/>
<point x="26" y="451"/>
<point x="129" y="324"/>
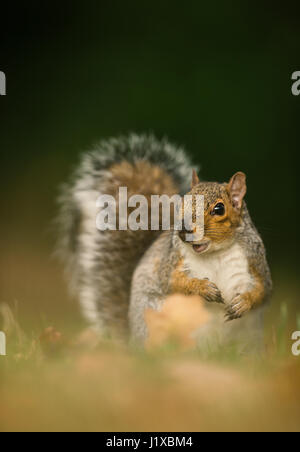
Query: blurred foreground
<point x="67" y="381"/>
<point x="113" y="389"/>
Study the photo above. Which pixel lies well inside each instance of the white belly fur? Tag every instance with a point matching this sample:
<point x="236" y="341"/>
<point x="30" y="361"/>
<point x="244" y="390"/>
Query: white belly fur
<point x="229" y="270"/>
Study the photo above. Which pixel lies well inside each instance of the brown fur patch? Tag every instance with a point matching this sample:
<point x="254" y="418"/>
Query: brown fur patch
<point x="181" y="283"/>
<point x="257" y="294"/>
<point x="143" y="178"/>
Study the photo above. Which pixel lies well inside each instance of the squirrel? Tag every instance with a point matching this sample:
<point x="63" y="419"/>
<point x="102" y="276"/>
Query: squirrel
<point x="118" y="275"/>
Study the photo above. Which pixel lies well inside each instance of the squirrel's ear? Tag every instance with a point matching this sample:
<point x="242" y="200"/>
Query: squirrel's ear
<point x="237" y="188"/>
<point x="195" y="179"/>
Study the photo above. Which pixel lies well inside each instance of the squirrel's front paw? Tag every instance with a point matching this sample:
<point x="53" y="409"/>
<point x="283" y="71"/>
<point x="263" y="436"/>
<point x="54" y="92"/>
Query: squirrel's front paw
<point x="239" y="306"/>
<point x="210" y="292"/>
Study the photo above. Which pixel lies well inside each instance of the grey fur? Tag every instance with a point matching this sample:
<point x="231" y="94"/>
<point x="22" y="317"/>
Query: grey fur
<point x="100" y="265"/>
<point x="252" y="243"/>
<point x="109" y="271"/>
<point x="151" y="281"/>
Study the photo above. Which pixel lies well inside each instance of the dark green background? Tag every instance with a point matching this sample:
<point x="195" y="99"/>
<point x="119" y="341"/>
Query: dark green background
<point x="212" y="76"/>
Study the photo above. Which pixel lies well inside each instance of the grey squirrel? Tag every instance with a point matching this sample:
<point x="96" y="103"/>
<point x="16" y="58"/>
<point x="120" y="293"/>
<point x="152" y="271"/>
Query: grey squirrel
<point x="118" y="274"/>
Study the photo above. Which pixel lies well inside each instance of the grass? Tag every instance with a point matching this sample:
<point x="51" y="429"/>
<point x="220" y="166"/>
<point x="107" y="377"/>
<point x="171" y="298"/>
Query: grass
<point x="59" y="383"/>
<point x="65" y="382"/>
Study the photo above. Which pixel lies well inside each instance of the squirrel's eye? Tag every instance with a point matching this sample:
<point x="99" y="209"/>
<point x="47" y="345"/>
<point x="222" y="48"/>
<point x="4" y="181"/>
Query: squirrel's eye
<point x="219" y="209"/>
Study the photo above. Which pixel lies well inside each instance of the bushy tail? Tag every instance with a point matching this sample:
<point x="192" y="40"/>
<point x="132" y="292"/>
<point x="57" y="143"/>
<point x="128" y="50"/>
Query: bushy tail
<point x="100" y="265"/>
